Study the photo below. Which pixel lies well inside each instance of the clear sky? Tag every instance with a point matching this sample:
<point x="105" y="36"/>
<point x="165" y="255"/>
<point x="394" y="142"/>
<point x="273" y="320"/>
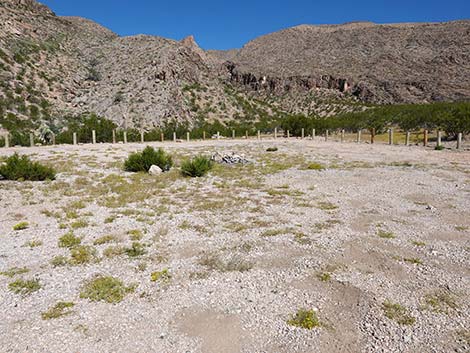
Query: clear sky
<point x="221" y="24"/>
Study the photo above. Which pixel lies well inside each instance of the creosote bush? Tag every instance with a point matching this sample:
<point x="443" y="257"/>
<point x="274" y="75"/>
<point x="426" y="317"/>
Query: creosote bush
<point x="22" y="168"/>
<point x="105" y="288"/>
<point x="306" y="319"/>
<point x="142" y="161"/>
<point x="196" y="167"/>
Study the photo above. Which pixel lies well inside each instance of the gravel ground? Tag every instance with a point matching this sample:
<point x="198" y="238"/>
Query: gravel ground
<point x="373" y="238"/>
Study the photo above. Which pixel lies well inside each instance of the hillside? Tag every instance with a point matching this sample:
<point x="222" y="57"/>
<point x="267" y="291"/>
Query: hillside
<point x="413" y="62"/>
<point x="53" y="67"/>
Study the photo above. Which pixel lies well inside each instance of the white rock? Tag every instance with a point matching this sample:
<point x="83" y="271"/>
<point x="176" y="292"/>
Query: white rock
<point x="155" y="170"/>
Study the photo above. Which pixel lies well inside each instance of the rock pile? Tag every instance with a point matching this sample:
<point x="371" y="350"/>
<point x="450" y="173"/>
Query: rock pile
<point x="229" y="158"/>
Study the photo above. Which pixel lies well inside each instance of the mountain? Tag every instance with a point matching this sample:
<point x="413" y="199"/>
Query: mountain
<point x="52" y="67"/>
<point x="379" y="63"/>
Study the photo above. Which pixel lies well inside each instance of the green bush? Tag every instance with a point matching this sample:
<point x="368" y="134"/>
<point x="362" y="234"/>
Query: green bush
<point x="197" y="167"/>
<point x="22" y="168"/>
<point x="142" y="161"/>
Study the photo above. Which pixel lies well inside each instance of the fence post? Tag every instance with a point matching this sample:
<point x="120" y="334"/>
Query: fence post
<point x="407" y="139"/>
<point x="358" y="136"/>
<point x="218" y="135"/>
<point x="162" y="137"/>
<point x="125" y="136"/>
<point x="275" y="133"/>
<point x="313" y="134"/>
<point x="326" y="135"/>
<point x="203" y="135"/>
<point x="93" y="136"/>
<point x="439" y="138"/>
<point x="342" y="135"/>
<point x="288" y="134"/>
<point x="459" y="140"/>
<point x="390" y="136"/>
<point x="303" y="133"/>
<point x="114" y="135"/>
<point x="246" y="134"/>
<point x="259" y="135"/>
<point x="233" y="134"/>
<point x="31" y="140"/>
<point x="142" y="137"/>
<point x="74" y="138"/>
<point x="174" y="136"/>
<point x="425" y="142"/>
<point x="187" y="136"/>
<point x="53" y="139"/>
<point x="372" y="135"/>
<point x="7" y="141"/>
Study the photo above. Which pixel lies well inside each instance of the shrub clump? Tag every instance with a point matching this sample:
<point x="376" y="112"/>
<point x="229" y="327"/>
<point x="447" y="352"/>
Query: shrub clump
<point x="25" y="287"/>
<point x="69" y="241"/>
<point x="21" y="226"/>
<point x="58" y="310"/>
<point x="108" y="289"/>
<point x="18" y="167"/>
<point x="306" y="319"/>
<point x="397" y="313"/>
<point x="196" y="167"/>
<point x="142" y="161"/>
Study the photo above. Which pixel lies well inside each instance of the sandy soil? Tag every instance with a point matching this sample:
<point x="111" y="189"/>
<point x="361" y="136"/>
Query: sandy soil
<point x="245" y="248"/>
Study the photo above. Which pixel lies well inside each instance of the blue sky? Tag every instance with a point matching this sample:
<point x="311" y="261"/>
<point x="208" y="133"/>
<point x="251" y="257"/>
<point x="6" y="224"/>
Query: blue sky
<point x="219" y="24"/>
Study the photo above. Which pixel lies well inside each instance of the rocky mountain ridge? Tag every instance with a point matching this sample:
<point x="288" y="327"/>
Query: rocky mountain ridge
<point x="53" y="66"/>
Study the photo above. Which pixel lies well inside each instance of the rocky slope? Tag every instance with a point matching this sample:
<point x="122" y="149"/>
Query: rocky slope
<point x="414" y="62"/>
<point x="52" y="66"/>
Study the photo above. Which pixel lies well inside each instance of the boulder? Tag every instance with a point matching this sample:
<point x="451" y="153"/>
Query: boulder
<point x="155" y="170"/>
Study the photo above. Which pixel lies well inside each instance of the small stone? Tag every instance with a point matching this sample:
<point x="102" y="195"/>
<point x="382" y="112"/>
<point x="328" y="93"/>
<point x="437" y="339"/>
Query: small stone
<point x="155" y="170"/>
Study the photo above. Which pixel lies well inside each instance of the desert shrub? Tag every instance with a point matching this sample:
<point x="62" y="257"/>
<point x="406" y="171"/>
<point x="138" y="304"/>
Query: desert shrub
<point x="306" y="319"/>
<point x="196" y="167"/>
<point x="108" y="289"/>
<point x="25" y="287"/>
<point x="271" y="149"/>
<point x="58" y="310"/>
<point x="22" y="168"/>
<point x="142" y="161"/>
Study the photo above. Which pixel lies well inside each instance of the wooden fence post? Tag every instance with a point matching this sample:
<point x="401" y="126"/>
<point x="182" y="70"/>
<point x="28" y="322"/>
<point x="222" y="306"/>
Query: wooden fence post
<point x="233" y="134"/>
<point x="313" y="134"/>
<point x="218" y="135"/>
<point x="7" y="141"/>
<point x="342" y="135"/>
<point x="459" y="140"/>
<point x="246" y="134"/>
<point x="31" y="140"/>
<point x="203" y="135"/>
<point x="114" y="135"/>
<point x="53" y="139"/>
<point x="187" y="136"/>
<point x="425" y="142"/>
<point x="439" y="138"/>
<point x="142" y="137"/>
<point x="303" y="133"/>
<point x="259" y="135"/>
<point x="74" y="138"/>
<point x="288" y="134"/>
<point x="93" y="136"/>
<point x="372" y="135"/>
<point x="125" y="136"/>
<point x="407" y="139"/>
<point x="174" y="136"/>
<point x="162" y="137"/>
<point x="390" y="136"/>
<point x="275" y="133"/>
<point x="358" y="140"/>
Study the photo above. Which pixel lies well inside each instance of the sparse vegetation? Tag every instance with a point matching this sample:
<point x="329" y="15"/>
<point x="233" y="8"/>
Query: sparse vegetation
<point x="196" y="167"/>
<point x="105" y="288"/>
<point x="324" y="276"/>
<point x="82" y="254"/>
<point x="14" y="271"/>
<point x="25" y="287"/>
<point x="142" y="161"/>
<point x="306" y="319"/>
<point x="58" y="310"/>
<point x="230" y="263"/>
<point x="440" y="301"/>
<point x="105" y="239"/>
<point x="163" y="275"/>
<point x="271" y="149"/>
<point x="20" y="168"/>
<point x="315" y="166"/>
<point x="59" y="260"/>
<point x="69" y="240"/>
<point x="397" y="313"/>
<point x="21" y="226"/>
<point x="385" y="235"/>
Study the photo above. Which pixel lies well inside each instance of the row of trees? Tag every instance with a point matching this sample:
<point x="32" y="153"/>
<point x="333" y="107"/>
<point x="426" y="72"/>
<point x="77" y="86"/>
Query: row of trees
<point x="449" y="117"/>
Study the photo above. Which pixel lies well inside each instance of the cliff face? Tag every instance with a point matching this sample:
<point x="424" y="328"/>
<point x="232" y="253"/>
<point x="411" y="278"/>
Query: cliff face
<point x="53" y="66"/>
<point x="376" y="63"/>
